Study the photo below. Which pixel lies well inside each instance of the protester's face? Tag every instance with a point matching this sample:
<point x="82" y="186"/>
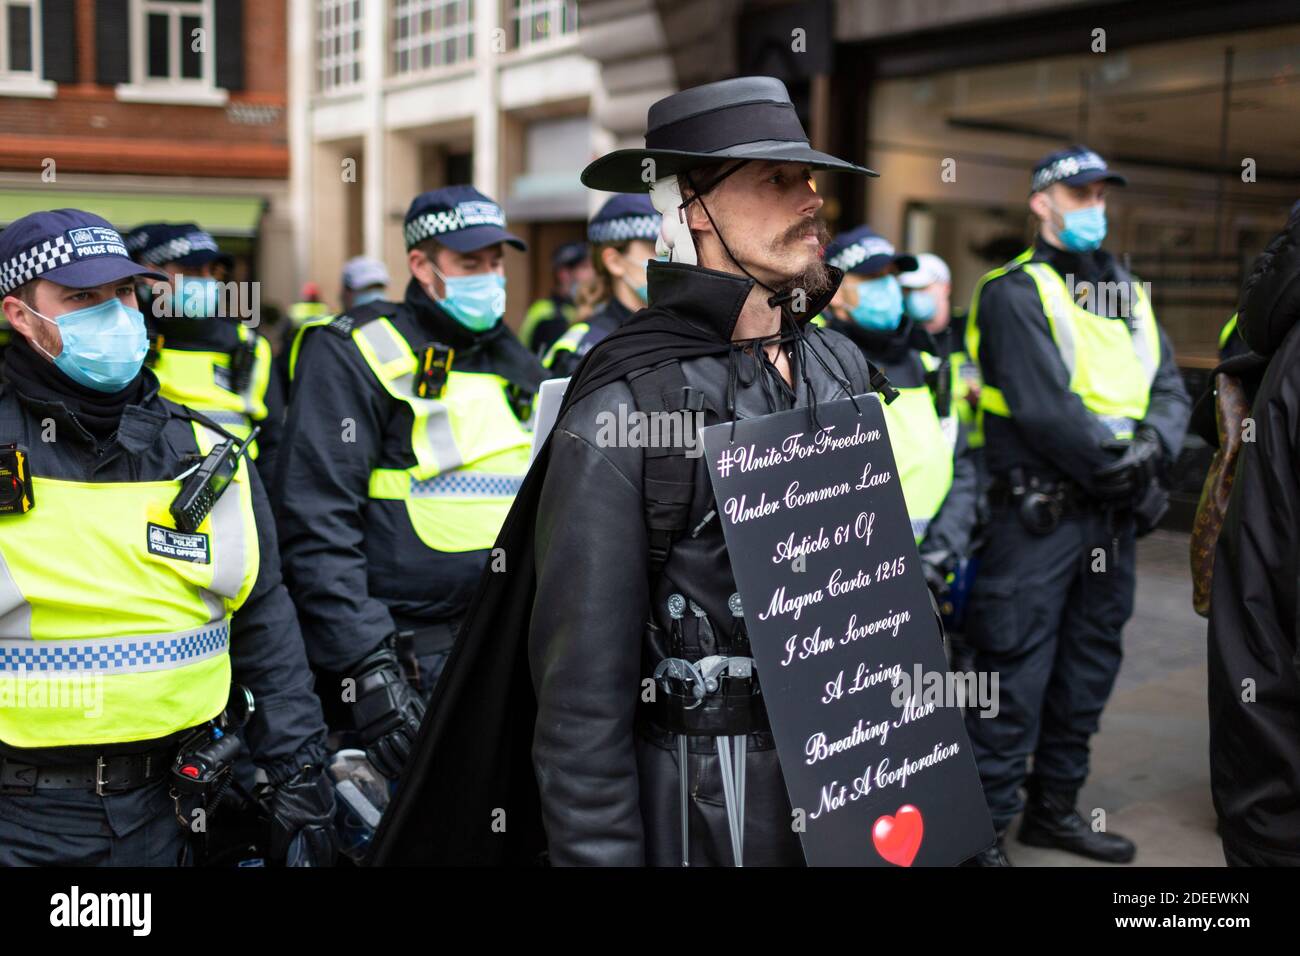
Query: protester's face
<point x="767" y="213"/>
<point x="452" y="263"/>
<point x="53" y="300"/>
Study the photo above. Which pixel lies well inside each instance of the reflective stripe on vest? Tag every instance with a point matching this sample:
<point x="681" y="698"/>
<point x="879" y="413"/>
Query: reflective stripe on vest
<point x="1226" y="333"/>
<point x="1111" y="367"/>
<point x="114" y="626"/>
<point x="568" y="342"/>
<point x="192" y="379"/>
<point x="922" y="454"/>
<point x="298" y="338"/>
<point x="470" y="449"/>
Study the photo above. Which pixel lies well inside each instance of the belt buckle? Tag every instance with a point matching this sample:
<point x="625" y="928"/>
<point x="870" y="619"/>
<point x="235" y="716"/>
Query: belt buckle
<point x="99" y="776"/>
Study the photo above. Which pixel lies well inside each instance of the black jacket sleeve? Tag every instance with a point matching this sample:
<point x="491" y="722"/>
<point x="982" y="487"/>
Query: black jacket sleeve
<point x="1019" y="357"/>
<point x="1171" y="406"/>
<point x="332" y="439"/>
<point x="268" y="439"/>
<point x="267" y="656"/>
<point x="585" y="652"/>
<point x="950" y="530"/>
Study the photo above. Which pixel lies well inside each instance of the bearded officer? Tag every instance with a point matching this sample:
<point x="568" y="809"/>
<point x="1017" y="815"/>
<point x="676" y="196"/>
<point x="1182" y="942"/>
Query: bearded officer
<point x="132" y="621"/>
<point x="1084" y="409"/>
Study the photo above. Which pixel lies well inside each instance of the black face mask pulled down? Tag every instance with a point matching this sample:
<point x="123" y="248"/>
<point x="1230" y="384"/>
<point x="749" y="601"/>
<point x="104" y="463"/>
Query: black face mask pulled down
<point x="36" y="378"/>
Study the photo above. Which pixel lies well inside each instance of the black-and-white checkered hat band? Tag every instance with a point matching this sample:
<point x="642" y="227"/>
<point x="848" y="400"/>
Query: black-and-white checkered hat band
<point x="860" y="252"/>
<point x="178" y="248"/>
<point x="40" y="258"/>
<point x="624" y="229"/>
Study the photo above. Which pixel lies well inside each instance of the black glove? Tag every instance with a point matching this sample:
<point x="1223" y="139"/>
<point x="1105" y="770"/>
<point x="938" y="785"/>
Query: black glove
<point x="388" y="711"/>
<point x="936" y="565"/>
<point x="302" y="820"/>
<point x="1129" y="475"/>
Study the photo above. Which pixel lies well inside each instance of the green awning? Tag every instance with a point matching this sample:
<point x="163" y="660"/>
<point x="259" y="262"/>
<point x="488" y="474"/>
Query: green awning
<point x="233" y="216"/>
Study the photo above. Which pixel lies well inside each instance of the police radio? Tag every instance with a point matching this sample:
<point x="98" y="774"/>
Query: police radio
<point x="17" y="495"/>
<point x="156" y="344"/>
<point x="201" y="488"/>
<point x="242" y="357"/>
<point x="435" y="367"/>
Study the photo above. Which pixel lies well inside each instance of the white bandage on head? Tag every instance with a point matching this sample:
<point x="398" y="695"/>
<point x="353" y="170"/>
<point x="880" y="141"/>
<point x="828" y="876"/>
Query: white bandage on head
<point x="675" y="240"/>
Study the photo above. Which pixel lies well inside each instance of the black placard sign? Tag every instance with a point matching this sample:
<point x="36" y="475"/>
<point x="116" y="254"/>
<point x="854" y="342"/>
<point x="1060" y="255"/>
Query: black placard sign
<point x="843" y="633"/>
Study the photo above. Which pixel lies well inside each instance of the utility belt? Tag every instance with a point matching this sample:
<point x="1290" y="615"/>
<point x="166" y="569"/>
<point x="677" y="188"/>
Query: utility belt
<point x="103" y="775"/>
<point x="427" y="640"/>
<point x="735" y="708"/>
<point x="1041" y="503"/>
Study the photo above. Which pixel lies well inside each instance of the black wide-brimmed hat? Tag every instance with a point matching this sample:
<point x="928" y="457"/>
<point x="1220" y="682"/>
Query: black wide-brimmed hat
<point x="750" y="117"/>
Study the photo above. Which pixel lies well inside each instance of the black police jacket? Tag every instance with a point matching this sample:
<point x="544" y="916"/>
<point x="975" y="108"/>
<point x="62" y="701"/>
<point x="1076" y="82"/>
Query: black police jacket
<point x="1254" y="636"/>
<point x="151" y="442"/>
<point x="355" y="566"/>
<point x="1051" y="433"/>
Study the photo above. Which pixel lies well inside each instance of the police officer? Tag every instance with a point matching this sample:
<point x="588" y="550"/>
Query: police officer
<point x="126" y="625"/>
<point x="934" y="463"/>
<point x="547" y="319"/>
<point x="622" y="237"/>
<point x="364" y="280"/>
<point x="927" y="299"/>
<point x="1083" y="409"/>
<point x="206" y="354"/>
<point x="404" y="445"/>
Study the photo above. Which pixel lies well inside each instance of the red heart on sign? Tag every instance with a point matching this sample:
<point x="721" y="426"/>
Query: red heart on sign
<point x="897" y="838"/>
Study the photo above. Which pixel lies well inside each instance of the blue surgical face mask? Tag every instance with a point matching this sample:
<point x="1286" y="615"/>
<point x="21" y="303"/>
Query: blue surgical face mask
<point x="1083" y="229"/>
<point x="880" y="304"/>
<point x="643" y="290"/>
<point x="476" y="302"/>
<point x="921" y="305"/>
<point x="195" y="299"/>
<point x="103" y="345"/>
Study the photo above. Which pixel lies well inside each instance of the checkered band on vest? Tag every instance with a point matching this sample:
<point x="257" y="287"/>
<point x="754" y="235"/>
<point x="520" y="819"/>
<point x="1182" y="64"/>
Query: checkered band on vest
<point x="624" y="229"/>
<point x="174" y="249"/>
<point x="40" y="258"/>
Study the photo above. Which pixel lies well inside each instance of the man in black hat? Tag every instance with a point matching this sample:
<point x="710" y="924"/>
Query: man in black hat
<point x="616" y="552"/>
<point x="405" y="443"/>
<point x="1084" y="409"/>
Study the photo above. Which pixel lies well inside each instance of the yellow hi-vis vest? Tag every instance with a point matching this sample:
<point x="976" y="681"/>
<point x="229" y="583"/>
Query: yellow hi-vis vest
<point x="195" y="379"/>
<point x="471" y="451"/>
<point x="1111" y="365"/>
<point x="923" y="446"/>
<point x="114" y="626"/>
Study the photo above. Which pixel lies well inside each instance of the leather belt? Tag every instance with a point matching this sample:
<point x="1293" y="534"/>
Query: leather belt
<point x="736" y="709"/>
<point x="104" y="775"/>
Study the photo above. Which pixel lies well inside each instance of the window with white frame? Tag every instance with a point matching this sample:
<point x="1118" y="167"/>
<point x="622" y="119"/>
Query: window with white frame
<point x="430" y="33"/>
<point x="536" y="21"/>
<point x="20" y="40"/>
<point x="338" y="43"/>
<point x="172" y="43"/>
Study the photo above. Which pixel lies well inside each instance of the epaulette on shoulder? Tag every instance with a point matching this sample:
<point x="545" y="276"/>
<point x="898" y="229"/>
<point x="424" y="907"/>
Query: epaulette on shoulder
<point x="342" y="325"/>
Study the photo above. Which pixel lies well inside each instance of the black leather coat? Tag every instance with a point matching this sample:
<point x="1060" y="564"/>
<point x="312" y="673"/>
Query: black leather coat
<point x="607" y="775"/>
